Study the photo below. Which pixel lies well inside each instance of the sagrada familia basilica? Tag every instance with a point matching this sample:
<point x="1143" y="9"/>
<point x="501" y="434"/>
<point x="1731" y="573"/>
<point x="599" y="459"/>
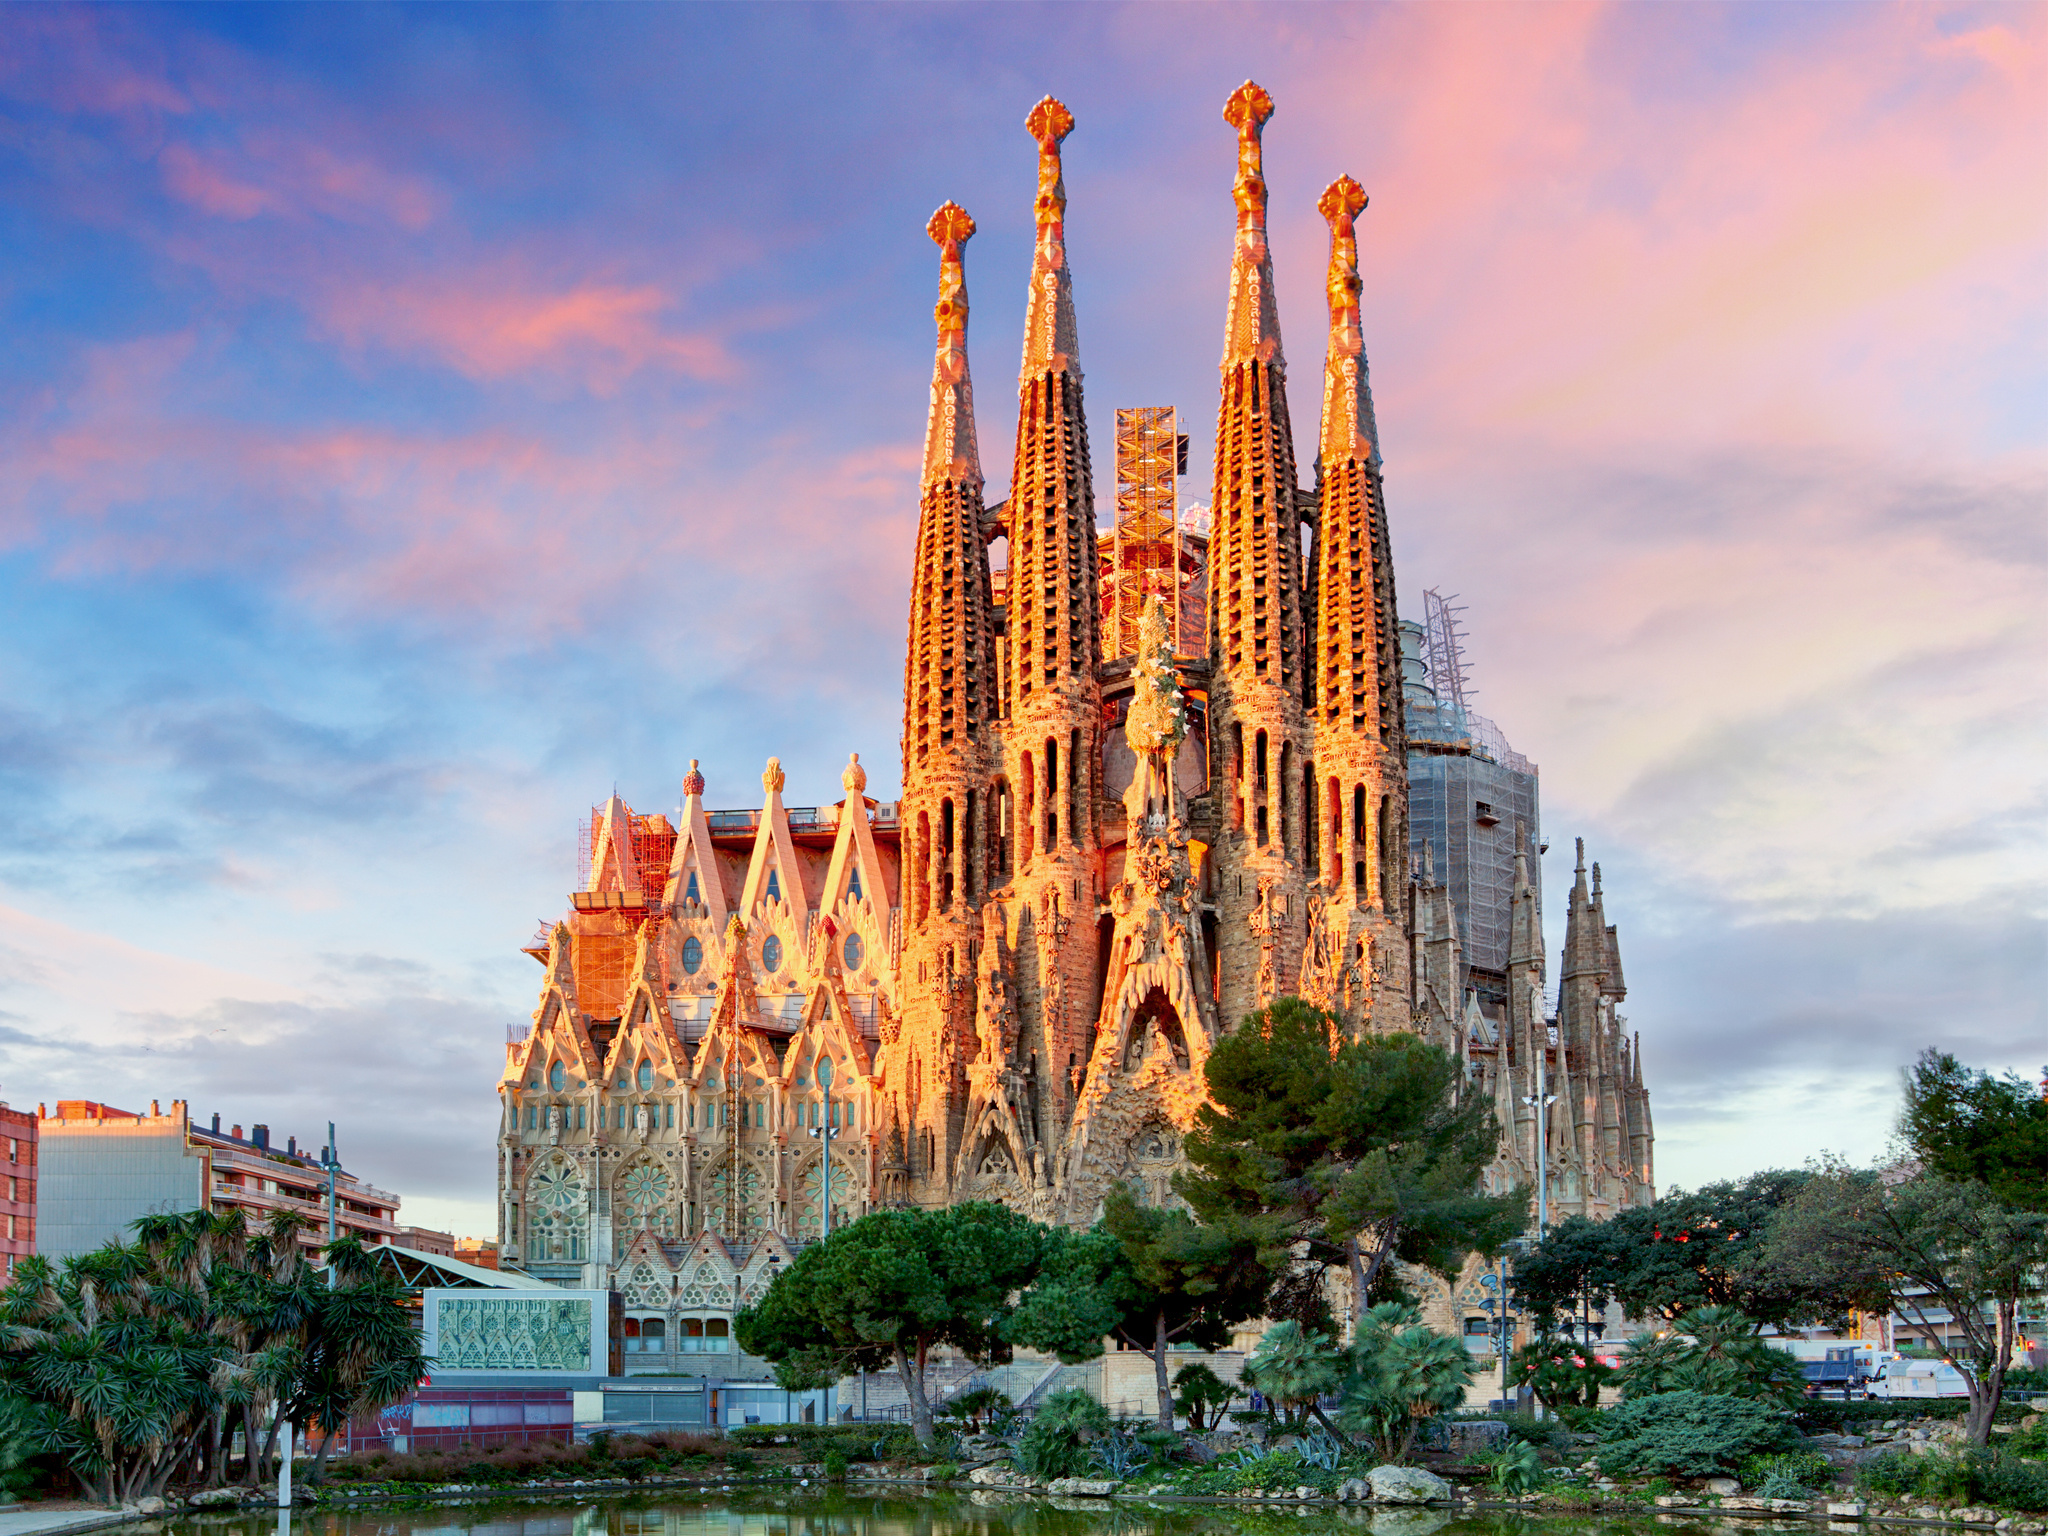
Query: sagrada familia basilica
<point x="1123" y="827"/>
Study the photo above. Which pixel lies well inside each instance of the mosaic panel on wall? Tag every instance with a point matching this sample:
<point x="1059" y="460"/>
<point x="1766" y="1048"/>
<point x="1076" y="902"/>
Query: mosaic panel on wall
<point x="507" y="1333"/>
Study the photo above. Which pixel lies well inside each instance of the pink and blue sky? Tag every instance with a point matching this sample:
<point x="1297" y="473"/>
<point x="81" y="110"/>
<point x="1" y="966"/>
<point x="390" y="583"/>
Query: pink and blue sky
<point x="416" y="421"/>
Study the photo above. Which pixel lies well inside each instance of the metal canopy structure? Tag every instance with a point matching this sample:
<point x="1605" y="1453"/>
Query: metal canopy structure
<point x="430" y="1271"/>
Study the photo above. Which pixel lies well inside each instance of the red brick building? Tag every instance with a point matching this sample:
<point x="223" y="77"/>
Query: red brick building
<point x="18" y="1192"/>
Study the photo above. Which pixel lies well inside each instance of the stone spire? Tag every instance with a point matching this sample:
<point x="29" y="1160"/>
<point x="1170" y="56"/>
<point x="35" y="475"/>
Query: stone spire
<point x="948" y="681"/>
<point x="1349" y="430"/>
<point x="1251" y="331"/>
<point x="1049" y="793"/>
<point x="950" y="452"/>
<point x="1355" y="692"/>
<point x="1051" y="339"/>
<point x="1260" y="738"/>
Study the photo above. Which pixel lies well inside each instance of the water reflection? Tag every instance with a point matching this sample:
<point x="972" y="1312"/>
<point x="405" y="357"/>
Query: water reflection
<point x="786" y="1512"/>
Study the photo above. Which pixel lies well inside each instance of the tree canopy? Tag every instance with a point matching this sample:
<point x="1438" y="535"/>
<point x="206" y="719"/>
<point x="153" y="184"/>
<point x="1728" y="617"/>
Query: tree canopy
<point x="1352" y="1151"/>
<point x="1923" y="1247"/>
<point x="1152" y="1276"/>
<point x="1691" y="1249"/>
<point x="132" y="1361"/>
<point x="882" y="1292"/>
<point x="1964" y="1124"/>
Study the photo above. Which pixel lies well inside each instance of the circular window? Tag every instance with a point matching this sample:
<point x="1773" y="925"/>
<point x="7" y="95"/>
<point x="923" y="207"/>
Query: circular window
<point x="771" y="954"/>
<point x="645" y="1076"/>
<point x="853" y="951"/>
<point x="693" y="955"/>
<point x="557" y="1078"/>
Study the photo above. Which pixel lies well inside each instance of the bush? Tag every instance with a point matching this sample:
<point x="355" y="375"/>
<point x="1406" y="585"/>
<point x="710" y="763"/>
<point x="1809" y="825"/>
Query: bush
<point x="1804" y="1470"/>
<point x="740" y="1461"/>
<point x="1517" y="1468"/>
<point x="1056" y="1443"/>
<point x="1690" y="1434"/>
<point x="1967" y="1477"/>
<point x="835" y="1467"/>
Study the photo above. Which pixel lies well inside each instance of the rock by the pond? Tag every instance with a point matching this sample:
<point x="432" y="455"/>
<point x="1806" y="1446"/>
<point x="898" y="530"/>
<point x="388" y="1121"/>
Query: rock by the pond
<point x="1722" y="1487"/>
<point x="216" y="1496"/>
<point x="1408" y="1522"/>
<point x="1083" y="1487"/>
<point x="1407" y="1485"/>
<point x="1353" y="1490"/>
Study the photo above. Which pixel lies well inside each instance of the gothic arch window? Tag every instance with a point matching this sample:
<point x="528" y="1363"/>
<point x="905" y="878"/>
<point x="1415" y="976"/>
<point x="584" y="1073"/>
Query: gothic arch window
<point x="644" y="1195"/>
<point x="808" y="1211"/>
<point x="557" y="1212"/>
<point x="645" y="1076"/>
<point x="771" y="950"/>
<point x="693" y="952"/>
<point x="558" y="1078"/>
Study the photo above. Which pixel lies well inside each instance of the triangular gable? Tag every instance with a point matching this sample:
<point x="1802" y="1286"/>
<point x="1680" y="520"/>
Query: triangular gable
<point x="828" y="1021"/>
<point x="695" y="855"/>
<point x="855" y="860"/>
<point x="774" y="855"/>
<point x="613" y="864"/>
<point x="558" y="1026"/>
<point x="647" y="1030"/>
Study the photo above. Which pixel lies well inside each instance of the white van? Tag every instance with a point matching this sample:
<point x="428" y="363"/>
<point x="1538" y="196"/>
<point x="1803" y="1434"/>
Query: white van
<point x="1919" y="1378"/>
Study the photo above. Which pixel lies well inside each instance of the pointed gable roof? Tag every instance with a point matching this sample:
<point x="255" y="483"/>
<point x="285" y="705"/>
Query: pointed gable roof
<point x="613" y="864"/>
<point x="774" y="851"/>
<point x="854" y="847"/>
<point x="694" y="850"/>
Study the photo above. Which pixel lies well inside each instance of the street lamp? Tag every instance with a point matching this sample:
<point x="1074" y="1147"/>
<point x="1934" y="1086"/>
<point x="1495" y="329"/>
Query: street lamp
<point x="825" y="1134"/>
<point x="1542" y="1101"/>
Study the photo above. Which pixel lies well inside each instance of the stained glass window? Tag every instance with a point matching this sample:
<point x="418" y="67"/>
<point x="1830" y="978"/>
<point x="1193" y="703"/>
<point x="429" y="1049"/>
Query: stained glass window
<point x="853" y="951"/>
<point x="557" y="1078"/>
<point x="771" y="954"/>
<point x="693" y="950"/>
<point x="775" y="885"/>
<point x="853" y="890"/>
<point x="690" y="890"/>
<point x="645" y="1076"/>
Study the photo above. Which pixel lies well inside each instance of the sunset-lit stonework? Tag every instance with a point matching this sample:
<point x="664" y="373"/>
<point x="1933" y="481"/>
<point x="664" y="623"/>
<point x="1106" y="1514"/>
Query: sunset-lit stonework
<point x="1099" y="863"/>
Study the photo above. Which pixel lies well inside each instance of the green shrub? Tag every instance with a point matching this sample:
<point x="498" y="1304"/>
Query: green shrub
<point x="1516" y="1468"/>
<point x="1690" y="1434"/>
<point x="2031" y="1441"/>
<point x="1056" y="1443"/>
<point x="1964" y="1477"/>
<point x="740" y="1460"/>
<point x="1805" y="1470"/>
<point x="835" y="1467"/>
<point x="1893" y="1474"/>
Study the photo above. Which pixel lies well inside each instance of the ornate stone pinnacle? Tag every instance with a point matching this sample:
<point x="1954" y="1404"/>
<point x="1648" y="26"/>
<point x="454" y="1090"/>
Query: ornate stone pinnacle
<point x="1049" y="122"/>
<point x="950" y="452"/>
<point x="1247" y="111"/>
<point x="693" y="781"/>
<point x="950" y="225"/>
<point x="772" y="780"/>
<point x="1341" y="199"/>
<point x="854" y="778"/>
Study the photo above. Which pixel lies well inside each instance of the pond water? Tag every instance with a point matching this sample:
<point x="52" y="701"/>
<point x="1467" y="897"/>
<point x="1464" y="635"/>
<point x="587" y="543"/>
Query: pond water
<point x="795" y="1513"/>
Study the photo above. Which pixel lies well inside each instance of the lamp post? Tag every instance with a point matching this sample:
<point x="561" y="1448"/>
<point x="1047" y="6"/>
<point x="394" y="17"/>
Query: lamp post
<point x="1496" y="1305"/>
<point x="1542" y="1100"/>
<point x="824" y="1133"/>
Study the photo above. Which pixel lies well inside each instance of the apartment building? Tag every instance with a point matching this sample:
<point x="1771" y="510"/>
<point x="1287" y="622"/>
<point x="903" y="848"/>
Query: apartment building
<point x="103" y="1168"/>
<point x="17" y="1188"/>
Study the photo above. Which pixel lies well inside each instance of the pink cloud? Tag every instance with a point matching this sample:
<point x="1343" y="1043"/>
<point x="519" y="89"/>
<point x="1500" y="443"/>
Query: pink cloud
<point x="291" y="176"/>
<point x="491" y="326"/>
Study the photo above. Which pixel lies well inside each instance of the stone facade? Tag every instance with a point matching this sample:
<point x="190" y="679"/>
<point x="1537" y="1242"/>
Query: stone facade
<point x="1012" y="976"/>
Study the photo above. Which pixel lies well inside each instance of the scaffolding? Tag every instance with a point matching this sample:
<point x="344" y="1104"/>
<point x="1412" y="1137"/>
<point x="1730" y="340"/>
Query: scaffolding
<point x="1145" y="558"/>
<point x="1447" y="673"/>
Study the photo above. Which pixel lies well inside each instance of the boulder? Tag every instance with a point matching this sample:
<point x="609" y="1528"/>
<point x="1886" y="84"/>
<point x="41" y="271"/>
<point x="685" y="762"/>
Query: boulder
<point x="1353" y="1490"/>
<point x="1407" y="1485"/>
<point x="1721" y="1487"/>
<point x="150" y="1506"/>
<point x="1083" y="1487"/>
<point x="1845" y="1511"/>
<point x="211" y="1496"/>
